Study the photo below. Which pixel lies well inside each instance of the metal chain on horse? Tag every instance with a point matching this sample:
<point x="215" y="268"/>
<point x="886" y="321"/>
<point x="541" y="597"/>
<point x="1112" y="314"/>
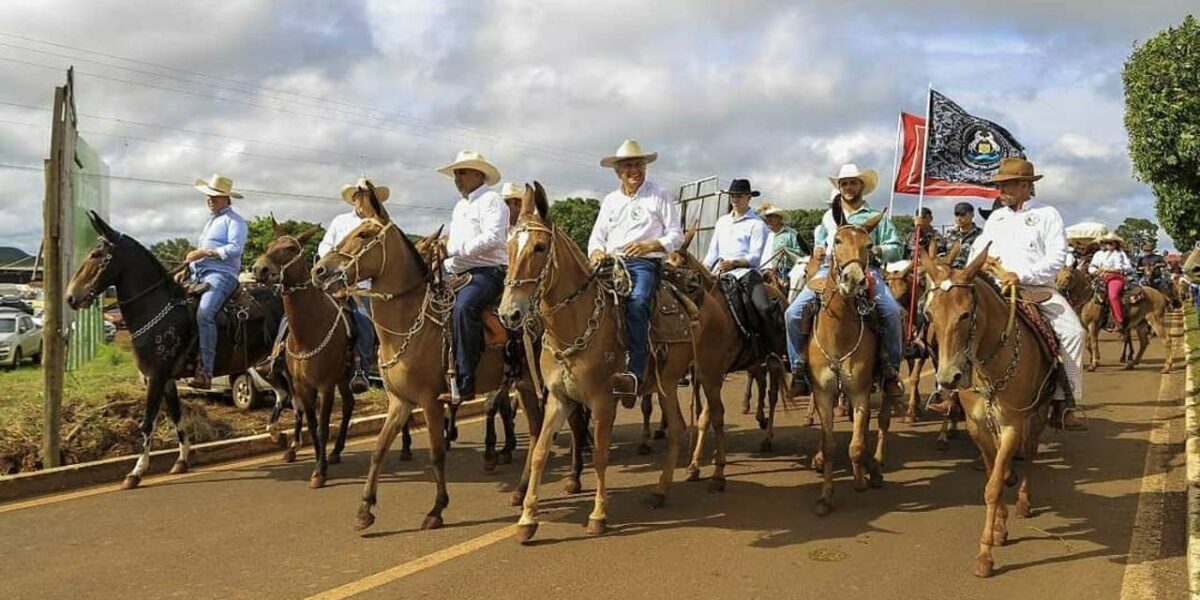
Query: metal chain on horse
<point x="340" y="319"/>
<point x="162" y="314"/>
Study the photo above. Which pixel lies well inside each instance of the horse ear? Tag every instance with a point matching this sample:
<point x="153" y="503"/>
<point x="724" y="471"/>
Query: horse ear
<point x="276" y="227"/>
<point x="102" y="228"/>
<point x="307" y="235"/>
<point x="542" y="203"/>
<point x="373" y="207"/>
<point x="873" y="222"/>
<point x="976" y="265"/>
<point x="437" y="235"/>
<point x="690" y="235"/>
<point x="954" y="252"/>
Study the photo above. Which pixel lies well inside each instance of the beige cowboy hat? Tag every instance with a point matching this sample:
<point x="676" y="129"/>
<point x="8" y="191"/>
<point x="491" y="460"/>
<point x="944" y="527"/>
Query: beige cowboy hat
<point x="1017" y="169"/>
<point x="869" y="177"/>
<point x="469" y="159"/>
<point x="382" y="193"/>
<point x="217" y="185"/>
<point x="1112" y="238"/>
<point x="512" y="189"/>
<point x="766" y="209"/>
<point x="629" y="149"/>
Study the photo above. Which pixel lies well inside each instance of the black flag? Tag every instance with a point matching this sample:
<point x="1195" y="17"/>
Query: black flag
<point x="963" y="148"/>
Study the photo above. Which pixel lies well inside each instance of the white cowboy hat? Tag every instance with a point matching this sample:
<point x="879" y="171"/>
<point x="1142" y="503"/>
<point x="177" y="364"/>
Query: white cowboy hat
<point x="767" y="209"/>
<point x="1111" y="237"/>
<point x="469" y="159"/>
<point x="512" y="189"/>
<point x="217" y="185"/>
<point x="382" y="193"/>
<point x="629" y="149"/>
<point x="869" y="177"/>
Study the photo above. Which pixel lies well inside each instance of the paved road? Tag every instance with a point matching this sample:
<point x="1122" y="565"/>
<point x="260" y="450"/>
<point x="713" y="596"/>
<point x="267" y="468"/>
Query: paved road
<point x="1109" y="523"/>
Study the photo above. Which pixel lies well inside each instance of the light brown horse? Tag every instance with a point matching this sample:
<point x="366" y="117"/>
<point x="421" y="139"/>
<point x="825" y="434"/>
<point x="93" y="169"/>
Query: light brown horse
<point x="411" y="311"/>
<point x="843" y="353"/>
<point x="1007" y="412"/>
<point x="549" y="278"/>
<point x="1076" y="287"/>
<point x="317" y="349"/>
<point x="901" y="285"/>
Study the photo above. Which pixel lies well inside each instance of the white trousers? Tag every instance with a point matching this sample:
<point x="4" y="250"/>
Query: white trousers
<point x="1070" y="334"/>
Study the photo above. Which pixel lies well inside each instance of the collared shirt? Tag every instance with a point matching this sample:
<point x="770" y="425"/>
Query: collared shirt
<point x="1110" y="260"/>
<point x="478" y="232"/>
<point x="966" y="240"/>
<point x="786" y="237"/>
<point x="883" y="236"/>
<point x="225" y="232"/>
<point x="337" y="231"/>
<point x="737" y="238"/>
<point x="650" y="214"/>
<point x="1031" y="243"/>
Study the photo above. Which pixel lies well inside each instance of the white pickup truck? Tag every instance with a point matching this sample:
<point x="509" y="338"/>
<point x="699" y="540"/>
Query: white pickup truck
<point x="20" y="338"/>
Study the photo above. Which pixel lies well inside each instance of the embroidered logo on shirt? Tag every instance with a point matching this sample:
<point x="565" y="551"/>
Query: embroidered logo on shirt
<point x="1031" y="220"/>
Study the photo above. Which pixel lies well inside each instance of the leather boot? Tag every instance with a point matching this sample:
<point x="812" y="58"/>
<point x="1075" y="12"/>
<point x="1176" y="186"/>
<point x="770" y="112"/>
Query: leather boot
<point x="201" y="380"/>
<point x="892" y="390"/>
<point x="801" y="386"/>
<point x="1066" y="417"/>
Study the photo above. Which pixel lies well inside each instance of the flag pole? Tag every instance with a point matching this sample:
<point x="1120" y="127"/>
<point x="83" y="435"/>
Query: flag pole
<point x="916" y="258"/>
<point x="925" y="145"/>
<point x="896" y="164"/>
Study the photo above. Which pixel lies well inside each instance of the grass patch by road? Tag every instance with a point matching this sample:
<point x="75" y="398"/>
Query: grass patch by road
<point x="112" y="372"/>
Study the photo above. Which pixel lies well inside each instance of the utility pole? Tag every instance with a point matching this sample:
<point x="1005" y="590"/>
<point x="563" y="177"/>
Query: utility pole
<point x="58" y="192"/>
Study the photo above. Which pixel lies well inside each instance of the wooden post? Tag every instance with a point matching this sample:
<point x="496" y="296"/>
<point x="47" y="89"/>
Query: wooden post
<point x="53" y="364"/>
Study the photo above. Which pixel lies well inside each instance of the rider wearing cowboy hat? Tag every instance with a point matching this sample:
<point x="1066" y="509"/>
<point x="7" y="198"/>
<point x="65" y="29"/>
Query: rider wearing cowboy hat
<point x="1028" y="239"/>
<point x="215" y="262"/>
<point x="513" y="193"/>
<point x="640" y="222"/>
<point x="476" y="246"/>
<point x="780" y="236"/>
<point x="1111" y="265"/>
<point x="848" y="207"/>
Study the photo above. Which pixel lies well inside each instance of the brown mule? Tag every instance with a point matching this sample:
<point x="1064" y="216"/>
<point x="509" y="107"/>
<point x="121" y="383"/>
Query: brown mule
<point x="1076" y="287"/>
<point x="968" y="316"/>
<point x="549" y="278"/>
<point x="842" y="361"/>
<point x="318" y="347"/>
<point x="411" y="313"/>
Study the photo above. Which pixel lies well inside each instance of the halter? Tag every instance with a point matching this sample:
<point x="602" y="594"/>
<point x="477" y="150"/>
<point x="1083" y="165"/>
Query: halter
<point x="93" y="293"/>
<point x="288" y="289"/>
<point x="837" y="268"/>
<point x="353" y="259"/>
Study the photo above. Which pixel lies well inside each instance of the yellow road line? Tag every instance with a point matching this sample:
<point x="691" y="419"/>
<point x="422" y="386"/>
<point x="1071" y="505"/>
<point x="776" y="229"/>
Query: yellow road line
<point x="163" y="479"/>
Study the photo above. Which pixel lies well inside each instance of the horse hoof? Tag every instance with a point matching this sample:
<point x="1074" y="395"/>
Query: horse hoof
<point x="657" y="500"/>
<point x="693" y="474"/>
<point x="289" y="456"/>
<point x="876" y="478"/>
<point x="573" y="486"/>
<point x="659" y="434"/>
<point x="1128" y="366"/>
<point x="517" y="499"/>
<point x="365" y="519"/>
<point x="822" y="508"/>
<point x="766" y="447"/>
<point x="716" y="486"/>
<point x="860" y="485"/>
<point x="952" y="434"/>
<point x="131" y="482"/>
<point x="506" y="458"/>
<point x="526" y="532"/>
<point x="180" y="467"/>
<point x="941" y="445"/>
<point x="432" y="522"/>
<point x="984" y="567"/>
<point x="597" y="526"/>
<point x="745" y="409"/>
<point x="1023" y="510"/>
<point x="489" y="463"/>
<point x="809" y="422"/>
<point x="1090" y="368"/>
<point x="818" y="463"/>
<point x="999" y="538"/>
<point x="335" y="459"/>
<point x="406" y="455"/>
<point x="644" y="449"/>
<point x="1165" y="370"/>
<point x="762" y="422"/>
<point x="316" y="482"/>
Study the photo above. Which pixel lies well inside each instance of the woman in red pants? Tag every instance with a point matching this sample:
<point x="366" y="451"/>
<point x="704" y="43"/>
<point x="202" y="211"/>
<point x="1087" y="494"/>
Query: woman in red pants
<point x="1111" y="264"/>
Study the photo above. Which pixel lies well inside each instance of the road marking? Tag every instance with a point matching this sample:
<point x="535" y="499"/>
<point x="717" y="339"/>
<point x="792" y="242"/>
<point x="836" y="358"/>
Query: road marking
<point x="163" y="479"/>
<point x="428" y="561"/>
<point x="1145" y="545"/>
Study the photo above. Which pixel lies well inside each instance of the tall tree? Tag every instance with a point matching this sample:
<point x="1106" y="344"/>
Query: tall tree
<point x="1138" y="232"/>
<point x="1162" y="116"/>
<point x="171" y="252"/>
<point x="576" y="216"/>
<point x="262" y="234"/>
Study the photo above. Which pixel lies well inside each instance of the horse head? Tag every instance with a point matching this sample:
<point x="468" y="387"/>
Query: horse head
<point x="98" y="271"/>
<point x="282" y="263"/>
<point x="530" y="257"/>
<point x="951" y="310"/>
<point x="851" y="253"/>
<point x="363" y="254"/>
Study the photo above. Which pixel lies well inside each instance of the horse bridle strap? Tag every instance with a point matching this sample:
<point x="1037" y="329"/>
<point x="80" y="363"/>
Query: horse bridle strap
<point x="353" y="259"/>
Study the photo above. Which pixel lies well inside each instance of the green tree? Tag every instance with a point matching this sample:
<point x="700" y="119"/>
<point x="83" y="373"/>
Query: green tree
<point x="576" y="216"/>
<point x="1138" y="232"/>
<point x="1162" y="117"/>
<point x="904" y="226"/>
<point x="262" y="234"/>
<point x="171" y="252"/>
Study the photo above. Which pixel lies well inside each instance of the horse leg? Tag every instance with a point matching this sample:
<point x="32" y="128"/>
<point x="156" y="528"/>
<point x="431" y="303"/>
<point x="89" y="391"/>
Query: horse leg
<point x="436" y="424"/>
<point x="276" y="412"/>
<point x="155" y="389"/>
<point x="508" y="418"/>
<point x="489" y="436"/>
<point x="943" y="440"/>
<point x="668" y="402"/>
<point x="315" y="430"/>
<point x="397" y="417"/>
<point x="406" y="441"/>
<point x="1093" y="346"/>
<point x="451" y="426"/>
<point x="556" y="413"/>
<point x="773" y="380"/>
<point x="339" y="445"/>
<point x="1160" y="328"/>
<point x="534" y="416"/>
<point x="760" y="378"/>
<point x="702" y="422"/>
<point x="604" y="413"/>
<point x="578" y="422"/>
<point x="877" y="461"/>
<point x="289" y="455"/>
<point x="858" y="440"/>
<point x="993" y="495"/>
<point x="746" y="393"/>
<point x="647" y="410"/>
<point x="915" y="366"/>
<point x="824" y="458"/>
<point x="661" y="432"/>
<point x="175" y="412"/>
<point x="716" y="410"/>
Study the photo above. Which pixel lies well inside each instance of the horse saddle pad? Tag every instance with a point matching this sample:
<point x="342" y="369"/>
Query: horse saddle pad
<point x="1029" y="313"/>
<point x="1132" y="294"/>
<point x="672" y="316"/>
<point x="241" y="304"/>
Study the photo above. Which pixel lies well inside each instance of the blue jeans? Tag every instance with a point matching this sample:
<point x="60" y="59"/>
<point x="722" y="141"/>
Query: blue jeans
<point x="645" y="274"/>
<point x="220" y="286"/>
<point x="889" y="313"/>
<point x="487" y="283"/>
<point x="364" y="343"/>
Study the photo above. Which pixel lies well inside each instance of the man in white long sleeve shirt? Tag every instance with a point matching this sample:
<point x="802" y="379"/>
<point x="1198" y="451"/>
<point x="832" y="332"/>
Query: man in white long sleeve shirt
<point x="734" y="254"/>
<point x="640" y="222"/>
<point x="476" y="246"/>
<point x="1111" y="265"/>
<point x="1029" y="241"/>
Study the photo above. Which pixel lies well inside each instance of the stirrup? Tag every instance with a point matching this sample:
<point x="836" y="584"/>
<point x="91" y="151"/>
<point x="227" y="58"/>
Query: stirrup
<point x="359" y="384"/>
<point x="628" y="398"/>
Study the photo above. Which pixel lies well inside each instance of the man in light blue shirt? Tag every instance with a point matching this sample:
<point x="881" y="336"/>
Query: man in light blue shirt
<point x="734" y="254"/>
<point x="849" y="207"/>
<point x="216" y="261"/>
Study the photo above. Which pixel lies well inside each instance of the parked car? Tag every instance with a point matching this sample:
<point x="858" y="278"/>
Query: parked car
<point x="15" y="303"/>
<point x="20" y="338"/>
<point x="248" y="389"/>
<point x="110" y="331"/>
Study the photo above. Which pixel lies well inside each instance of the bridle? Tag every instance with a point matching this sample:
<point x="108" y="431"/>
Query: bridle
<point x="354" y="259"/>
<point x="102" y="269"/>
<point x="837" y="268"/>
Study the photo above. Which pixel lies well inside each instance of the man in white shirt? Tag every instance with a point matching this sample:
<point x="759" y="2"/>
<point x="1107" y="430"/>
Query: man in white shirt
<point x="640" y="222"/>
<point x="513" y="193"/>
<point x="734" y="254"/>
<point x="1111" y="265"/>
<point x="1028" y="240"/>
<point x="476" y="246"/>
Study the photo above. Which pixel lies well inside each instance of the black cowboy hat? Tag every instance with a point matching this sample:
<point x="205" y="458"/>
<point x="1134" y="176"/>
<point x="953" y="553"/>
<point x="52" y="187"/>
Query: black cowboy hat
<point x="740" y="186"/>
<point x="985" y="213"/>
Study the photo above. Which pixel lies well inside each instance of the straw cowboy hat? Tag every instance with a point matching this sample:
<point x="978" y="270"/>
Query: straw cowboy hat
<point x="1112" y="238"/>
<point x="629" y="149"/>
<point x="217" y="185"/>
<point x="869" y="177"/>
<point x="469" y="159"/>
<point x="770" y="210"/>
<point x="1015" y="169"/>
<point x="382" y="193"/>
<point x="512" y="189"/>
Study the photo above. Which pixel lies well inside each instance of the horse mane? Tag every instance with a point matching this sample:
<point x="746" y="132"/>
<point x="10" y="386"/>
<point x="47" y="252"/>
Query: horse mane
<point x="693" y="263"/>
<point x="155" y="264"/>
<point x="412" y="248"/>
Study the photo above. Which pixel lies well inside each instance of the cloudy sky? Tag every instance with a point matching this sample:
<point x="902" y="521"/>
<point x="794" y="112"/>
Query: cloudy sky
<point x="292" y="99"/>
